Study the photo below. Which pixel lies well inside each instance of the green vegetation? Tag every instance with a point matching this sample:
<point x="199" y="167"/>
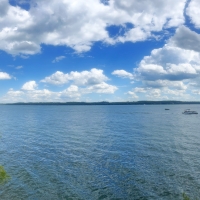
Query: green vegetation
<point x="185" y="197"/>
<point x="3" y="175"/>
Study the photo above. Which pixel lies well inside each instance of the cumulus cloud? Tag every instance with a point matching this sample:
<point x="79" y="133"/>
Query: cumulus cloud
<point x="178" y="85"/>
<point x="79" y="24"/>
<point x="57" y="78"/>
<point x="44" y="95"/>
<point x="162" y="93"/>
<point x="93" y="81"/>
<point x="102" y="88"/>
<point x="197" y="92"/>
<point x="168" y="71"/>
<point x="170" y="63"/>
<point x="30" y="96"/>
<point x="134" y="35"/>
<point x="123" y="74"/>
<point x="154" y="93"/>
<point x="171" y="71"/>
<point x="186" y="39"/>
<point x="92" y="77"/>
<point x="72" y="92"/>
<point x="154" y="15"/>
<point x="31" y="85"/>
<point x="174" y="92"/>
<point x="140" y="90"/>
<point x="13" y="93"/>
<point x="4" y="76"/>
<point x="193" y="11"/>
<point x="28" y="93"/>
<point x="81" y="84"/>
<point x="173" y="66"/>
<point x="4" y="6"/>
<point x="58" y="59"/>
<point x="132" y="94"/>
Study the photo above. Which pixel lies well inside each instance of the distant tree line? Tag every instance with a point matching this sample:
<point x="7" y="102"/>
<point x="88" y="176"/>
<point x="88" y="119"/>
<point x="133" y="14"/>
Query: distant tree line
<point x="107" y="103"/>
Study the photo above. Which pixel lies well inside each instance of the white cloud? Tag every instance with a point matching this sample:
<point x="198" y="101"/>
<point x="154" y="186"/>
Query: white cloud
<point x="92" y="81"/>
<point x="31" y="85"/>
<point x="152" y="15"/>
<point x="4" y="76"/>
<point x="154" y="93"/>
<point x="30" y="96"/>
<point x="132" y="94"/>
<point x="169" y="63"/>
<point x="193" y="11"/>
<point x="140" y="90"/>
<point x="135" y="35"/>
<point x="83" y="83"/>
<point x="39" y="96"/>
<point x="168" y="71"/>
<point x="72" y="93"/>
<point x="173" y="66"/>
<point x="123" y="74"/>
<point x="19" y="67"/>
<point x="197" y="92"/>
<point x="4" y="6"/>
<point x="12" y="96"/>
<point x="173" y="92"/>
<point x="78" y="24"/>
<point x="101" y="88"/>
<point x="13" y="93"/>
<point x="178" y="85"/>
<point x="57" y="78"/>
<point x="72" y="88"/>
<point x="92" y="77"/>
<point x="58" y="59"/>
<point x="186" y="39"/>
<point x="171" y="71"/>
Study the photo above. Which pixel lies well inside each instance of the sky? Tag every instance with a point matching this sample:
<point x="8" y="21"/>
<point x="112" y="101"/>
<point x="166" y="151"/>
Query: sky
<point x="99" y="50"/>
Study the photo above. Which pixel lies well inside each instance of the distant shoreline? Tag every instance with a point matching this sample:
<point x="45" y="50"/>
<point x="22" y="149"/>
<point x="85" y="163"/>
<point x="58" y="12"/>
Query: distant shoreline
<point x="106" y="103"/>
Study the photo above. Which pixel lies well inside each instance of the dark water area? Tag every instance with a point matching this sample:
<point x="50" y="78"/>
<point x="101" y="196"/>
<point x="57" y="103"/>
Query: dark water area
<point x="99" y="152"/>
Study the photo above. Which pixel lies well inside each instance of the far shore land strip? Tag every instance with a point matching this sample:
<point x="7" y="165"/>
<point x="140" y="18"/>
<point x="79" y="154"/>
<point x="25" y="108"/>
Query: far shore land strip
<point x="106" y="103"/>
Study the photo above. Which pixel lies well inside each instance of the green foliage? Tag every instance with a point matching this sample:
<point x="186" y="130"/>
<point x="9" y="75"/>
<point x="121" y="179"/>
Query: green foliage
<point x="185" y="197"/>
<point x="3" y="175"/>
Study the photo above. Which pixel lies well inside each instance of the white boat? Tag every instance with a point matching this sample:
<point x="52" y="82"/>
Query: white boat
<point x="189" y="112"/>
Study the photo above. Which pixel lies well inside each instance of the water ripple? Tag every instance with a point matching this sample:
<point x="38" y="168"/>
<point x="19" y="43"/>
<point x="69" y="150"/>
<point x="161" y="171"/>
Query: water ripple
<point x="99" y="152"/>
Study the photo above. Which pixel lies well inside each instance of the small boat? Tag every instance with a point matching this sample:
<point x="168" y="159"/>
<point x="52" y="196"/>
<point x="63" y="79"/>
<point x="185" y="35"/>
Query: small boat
<point x="166" y="108"/>
<point x="189" y="112"/>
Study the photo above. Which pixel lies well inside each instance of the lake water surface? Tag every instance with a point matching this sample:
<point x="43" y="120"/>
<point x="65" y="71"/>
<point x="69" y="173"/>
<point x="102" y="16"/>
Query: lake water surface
<point x="99" y="152"/>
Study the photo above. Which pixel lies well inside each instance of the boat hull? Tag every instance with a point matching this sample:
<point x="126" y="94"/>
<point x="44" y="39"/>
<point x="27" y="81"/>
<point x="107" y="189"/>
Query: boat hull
<point x="190" y="112"/>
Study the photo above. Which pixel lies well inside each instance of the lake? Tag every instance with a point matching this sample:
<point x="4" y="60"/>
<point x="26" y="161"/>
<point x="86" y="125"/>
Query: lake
<point x="99" y="152"/>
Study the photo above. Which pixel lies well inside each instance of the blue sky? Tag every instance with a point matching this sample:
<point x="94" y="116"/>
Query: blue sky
<point x="99" y="50"/>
